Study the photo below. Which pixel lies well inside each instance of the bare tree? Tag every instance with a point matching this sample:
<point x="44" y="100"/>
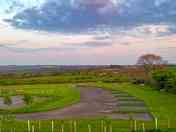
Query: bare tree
<point x="150" y="62"/>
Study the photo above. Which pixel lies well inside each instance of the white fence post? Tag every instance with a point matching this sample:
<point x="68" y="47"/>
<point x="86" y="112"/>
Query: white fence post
<point x="156" y="123"/>
<point x="33" y="128"/>
<point x="143" y="127"/>
<point x="29" y="126"/>
<point x="89" y="128"/>
<point x="52" y="126"/>
<point x="62" y="128"/>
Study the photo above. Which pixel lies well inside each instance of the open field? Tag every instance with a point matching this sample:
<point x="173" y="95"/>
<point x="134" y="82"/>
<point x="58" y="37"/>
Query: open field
<point x="160" y="104"/>
<point x="111" y="98"/>
<point x="57" y="96"/>
<point x="94" y="103"/>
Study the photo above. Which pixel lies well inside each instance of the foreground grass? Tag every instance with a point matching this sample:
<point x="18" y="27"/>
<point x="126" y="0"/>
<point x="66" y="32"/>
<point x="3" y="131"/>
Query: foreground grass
<point x="99" y="125"/>
<point x="57" y="96"/>
<point x="161" y="104"/>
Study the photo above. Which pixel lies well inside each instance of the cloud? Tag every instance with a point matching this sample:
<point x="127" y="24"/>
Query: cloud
<point x="152" y="30"/>
<point x="82" y="15"/>
<point x="42" y="41"/>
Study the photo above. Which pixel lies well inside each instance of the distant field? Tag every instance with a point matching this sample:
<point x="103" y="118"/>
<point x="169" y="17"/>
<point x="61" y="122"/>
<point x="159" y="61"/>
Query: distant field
<point x="47" y="79"/>
<point x="162" y="105"/>
<point x="60" y="79"/>
<point x="57" y="96"/>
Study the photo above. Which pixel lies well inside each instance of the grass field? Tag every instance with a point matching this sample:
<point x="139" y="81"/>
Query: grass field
<point x="61" y="94"/>
<point x="99" y="125"/>
<point x="57" y="96"/>
<point x="58" y="79"/>
<point x="161" y="104"/>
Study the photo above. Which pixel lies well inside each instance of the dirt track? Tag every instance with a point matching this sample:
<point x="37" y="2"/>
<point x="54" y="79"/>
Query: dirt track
<point x="94" y="102"/>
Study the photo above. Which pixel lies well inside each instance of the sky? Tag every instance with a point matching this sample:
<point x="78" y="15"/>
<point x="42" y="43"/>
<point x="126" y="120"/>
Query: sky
<point x="86" y="32"/>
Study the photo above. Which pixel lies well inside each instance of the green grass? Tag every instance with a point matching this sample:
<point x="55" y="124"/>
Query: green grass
<point x="161" y="104"/>
<point x="132" y="109"/>
<point x="60" y="78"/>
<point x="48" y="79"/>
<point x="58" y="96"/>
<point x="98" y="125"/>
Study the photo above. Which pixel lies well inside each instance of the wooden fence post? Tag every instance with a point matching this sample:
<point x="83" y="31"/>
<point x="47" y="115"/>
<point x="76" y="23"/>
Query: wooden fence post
<point x="71" y="126"/>
<point x="62" y="128"/>
<point x="156" y="123"/>
<point x="135" y="125"/>
<point x="102" y="126"/>
<point x="105" y="128"/>
<point x="33" y="128"/>
<point x="89" y="128"/>
<point x="143" y="127"/>
<point x="75" y="126"/>
<point x="168" y="124"/>
<point x="110" y="128"/>
<point x="29" y="126"/>
<point x="39" y="125"/>
<point x="52" y="126"/>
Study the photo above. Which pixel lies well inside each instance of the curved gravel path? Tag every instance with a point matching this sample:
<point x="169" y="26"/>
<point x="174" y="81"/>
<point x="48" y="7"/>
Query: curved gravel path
<point x="94" y="102"/>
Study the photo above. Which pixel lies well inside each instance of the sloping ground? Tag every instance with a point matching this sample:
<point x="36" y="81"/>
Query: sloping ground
<point x="94" y="102"/>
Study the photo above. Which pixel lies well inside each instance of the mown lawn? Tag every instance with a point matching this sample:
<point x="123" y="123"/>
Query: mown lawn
<point x="57" y="96"/>
<point x="161" y="104"/>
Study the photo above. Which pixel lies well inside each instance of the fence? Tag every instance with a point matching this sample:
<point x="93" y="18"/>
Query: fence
<point x="101" y="125"/>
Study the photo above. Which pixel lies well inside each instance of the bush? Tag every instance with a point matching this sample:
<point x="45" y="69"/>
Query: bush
<point x="138" y="81"/>
<point x="28" y="99"/>
<point x="165" y="80"/>
<point x="7" y="100"/>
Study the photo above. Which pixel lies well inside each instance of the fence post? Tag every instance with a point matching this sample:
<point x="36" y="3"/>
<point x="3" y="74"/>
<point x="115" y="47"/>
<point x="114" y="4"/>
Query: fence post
<point x="105" y="128"/>
<point x="39" y="125"/>
<point x="110" y="128"/>
<point x="52" y="126"/>
<point x="135" y="125"/>
<point x="62" y="128"/>
<point x="156" y="123"/>
<point x="168" y="123"/>
<point x="102" y="126"/>
<point x="75" y="125"/>
<point x="71" y="126"/>
<point x="29" y="126"/>
<point x="33" y="129"/>
<point x="0" y="126"/>
<point x="143" y="127"/>
<point x="89" y="128"/>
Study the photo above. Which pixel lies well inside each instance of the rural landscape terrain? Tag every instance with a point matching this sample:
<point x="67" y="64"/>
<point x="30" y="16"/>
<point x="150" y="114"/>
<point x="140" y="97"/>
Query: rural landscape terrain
<point x="110" y="98"/>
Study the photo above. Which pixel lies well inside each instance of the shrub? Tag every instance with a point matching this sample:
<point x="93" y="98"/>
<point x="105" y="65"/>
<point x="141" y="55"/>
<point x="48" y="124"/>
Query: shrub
<point x="7" y="100"/>
<point x="165" y="80"/>
<point x="28" y="99"/>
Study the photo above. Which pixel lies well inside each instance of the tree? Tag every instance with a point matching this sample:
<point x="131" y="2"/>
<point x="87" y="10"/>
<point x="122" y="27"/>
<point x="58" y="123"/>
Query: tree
<point x="150" y="62"/>
<point x="165" y="79"/>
